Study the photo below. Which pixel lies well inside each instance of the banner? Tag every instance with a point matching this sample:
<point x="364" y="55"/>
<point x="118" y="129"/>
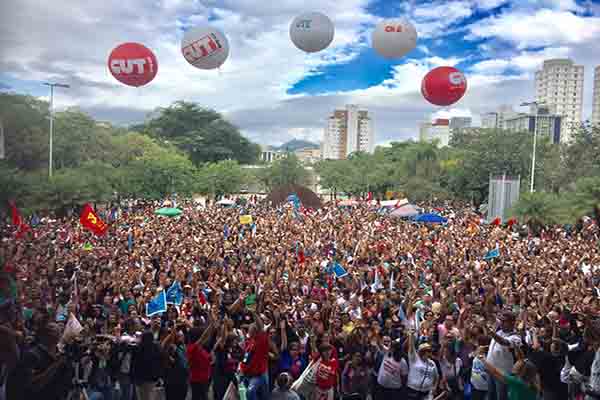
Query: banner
<point x="245" y="219"/>
<point x="157" y="305"/>
<point x="91" y="221"/>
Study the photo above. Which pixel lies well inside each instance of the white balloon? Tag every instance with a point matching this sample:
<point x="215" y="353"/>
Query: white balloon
<point x="393" y="38"/>
<point x="312" y="32"/>
<point x="205" y="47"/>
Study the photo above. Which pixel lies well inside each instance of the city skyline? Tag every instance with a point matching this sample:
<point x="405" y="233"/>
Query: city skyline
<point x="270" y="89"/>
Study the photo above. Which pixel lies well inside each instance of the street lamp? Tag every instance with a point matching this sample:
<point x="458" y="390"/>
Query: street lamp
<point x="537" y="105"/>
<point x="52" y="86"/>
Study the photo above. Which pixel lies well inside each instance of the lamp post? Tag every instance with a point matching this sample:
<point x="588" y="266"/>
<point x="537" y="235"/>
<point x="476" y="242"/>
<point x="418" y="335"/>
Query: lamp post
<point x="535" y="130"/>
<point x="52" y="86"/>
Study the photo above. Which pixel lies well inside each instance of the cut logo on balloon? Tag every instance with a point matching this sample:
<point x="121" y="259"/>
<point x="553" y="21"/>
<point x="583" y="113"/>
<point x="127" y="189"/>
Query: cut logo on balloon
<point x="457" y="78"/>
<point x="127" y="66"/>
<point x="132" y="64"/>
<point x="204" y="47"/>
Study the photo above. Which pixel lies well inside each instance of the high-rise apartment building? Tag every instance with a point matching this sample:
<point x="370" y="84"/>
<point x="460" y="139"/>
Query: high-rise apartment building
<point x="348" y="131"/>
<point x="596" y="100"/>
<point x="559" y="85"/>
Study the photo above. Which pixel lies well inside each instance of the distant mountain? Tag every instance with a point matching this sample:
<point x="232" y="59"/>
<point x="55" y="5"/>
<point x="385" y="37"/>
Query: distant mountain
<point x="297" y="144"/>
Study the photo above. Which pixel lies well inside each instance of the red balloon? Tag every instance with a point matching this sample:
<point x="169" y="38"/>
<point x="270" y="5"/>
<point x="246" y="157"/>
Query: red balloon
<point x="133" y="64"/>
<point x="443" y="86"/>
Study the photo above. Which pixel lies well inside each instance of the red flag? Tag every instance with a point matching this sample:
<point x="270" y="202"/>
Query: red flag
<point x="202" y="297"/>
<point x="301" y="257"/>
<point x="511" y="222"/>
<point x="497" y="221"/>
<point x="91" y="221"/>
<point x="370" y="196"/>
<point x="17" y="220"/>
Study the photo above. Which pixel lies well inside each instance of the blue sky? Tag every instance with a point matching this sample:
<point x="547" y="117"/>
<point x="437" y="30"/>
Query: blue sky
<point x="273" y="91"/>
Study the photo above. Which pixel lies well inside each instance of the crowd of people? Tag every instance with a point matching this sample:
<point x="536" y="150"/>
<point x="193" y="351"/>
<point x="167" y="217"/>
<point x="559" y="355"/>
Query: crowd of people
<point x="335" y="303"/>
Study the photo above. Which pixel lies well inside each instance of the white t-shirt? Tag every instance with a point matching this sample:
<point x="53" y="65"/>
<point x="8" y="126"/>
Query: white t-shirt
<point x="391" y="372"/>
<point x="450" y="371"/>
<point x="422" y="374"/>
<point x="479" y="376"/>
<point x="500" y="356"/>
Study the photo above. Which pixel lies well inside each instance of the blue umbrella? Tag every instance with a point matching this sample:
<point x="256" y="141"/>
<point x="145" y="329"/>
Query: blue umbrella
<point x="431" y="219"/>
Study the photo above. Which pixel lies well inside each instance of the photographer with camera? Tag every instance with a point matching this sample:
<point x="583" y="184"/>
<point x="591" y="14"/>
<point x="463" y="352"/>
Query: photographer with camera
<point x="42" y="372"/>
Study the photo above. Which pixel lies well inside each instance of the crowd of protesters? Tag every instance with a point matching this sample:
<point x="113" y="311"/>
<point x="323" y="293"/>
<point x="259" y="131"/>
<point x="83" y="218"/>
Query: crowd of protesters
<point x="335" y="303"/>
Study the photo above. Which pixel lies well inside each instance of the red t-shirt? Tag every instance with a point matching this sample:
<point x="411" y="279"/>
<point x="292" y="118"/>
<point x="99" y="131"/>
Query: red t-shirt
<point x="327" y="374"/>
<point x="200" y="364"/>
<point x="256" y="359"/>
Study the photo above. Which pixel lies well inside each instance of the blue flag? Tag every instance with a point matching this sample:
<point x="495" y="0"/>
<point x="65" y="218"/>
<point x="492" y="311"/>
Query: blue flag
<point x="253" y="229"/>
<point x="293" y="198"/>
<point x="35" y="220"/>
<point x="175" y="294"/>
<point x="339" y="271"/>
<point x="492" y="254"/>
<point x="225" y="231"/>
<point x="157" y="305"/>
<point x="130" y="241"/>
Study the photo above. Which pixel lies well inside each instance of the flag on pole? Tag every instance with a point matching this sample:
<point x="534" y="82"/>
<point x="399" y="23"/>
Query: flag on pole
<point x="90" y="220"/>
<point x="175" y="294"/>
<point x="157" y="305"/>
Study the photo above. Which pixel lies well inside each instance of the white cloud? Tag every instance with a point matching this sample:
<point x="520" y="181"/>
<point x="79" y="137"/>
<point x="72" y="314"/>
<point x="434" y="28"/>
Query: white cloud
<point x="544" y="27"/>
<point x="40" y="41"/>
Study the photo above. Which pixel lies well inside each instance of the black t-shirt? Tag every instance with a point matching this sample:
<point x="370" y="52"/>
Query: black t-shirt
<point x="549" y="367"/>
<point x="34" y="362"/>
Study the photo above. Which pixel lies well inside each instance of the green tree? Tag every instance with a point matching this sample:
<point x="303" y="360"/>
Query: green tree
<point x="202" y="133"/>
<point x="222" y="178"/>
<point x="287" y="170"/>
<point x="539" y="208"/>
<point x="25" y="130"/>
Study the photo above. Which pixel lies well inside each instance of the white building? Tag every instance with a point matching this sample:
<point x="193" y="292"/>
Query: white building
<point x="495" y="119"/>
<point x="268" y="154"/>
<point x="596" y="100"/>
<point x="308" y="155"/>
<point x="458" y="123"/>
<point x="559" y="85"/>
<point x="539" y="121"/>
<point x="437" y="130"/>
<point x="348" y="131"/>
